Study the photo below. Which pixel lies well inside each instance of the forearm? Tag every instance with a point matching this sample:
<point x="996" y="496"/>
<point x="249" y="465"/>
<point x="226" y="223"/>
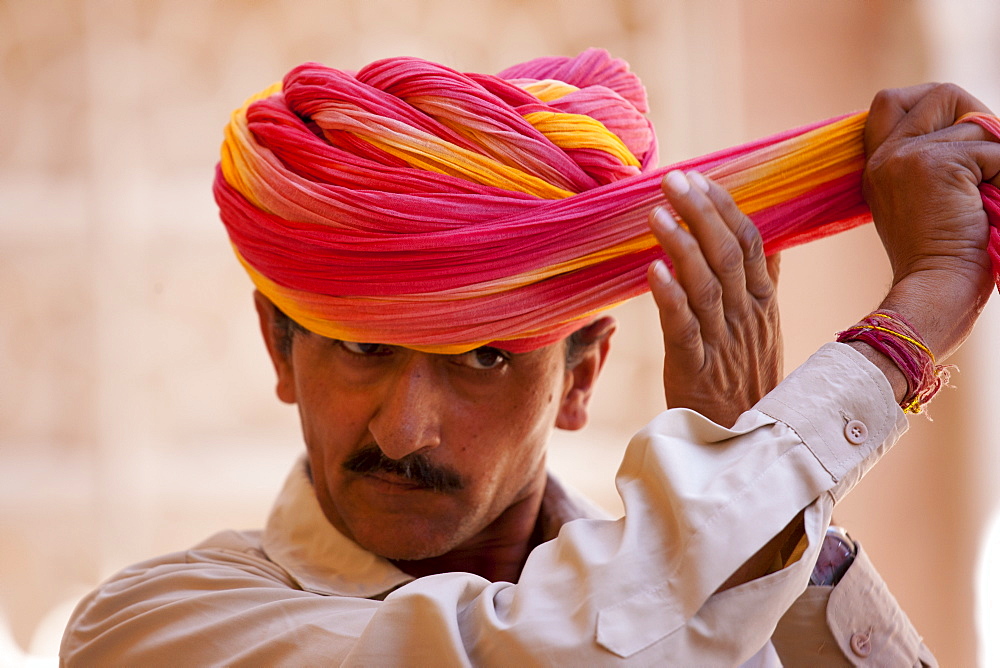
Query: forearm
<point x="776" y="553"/>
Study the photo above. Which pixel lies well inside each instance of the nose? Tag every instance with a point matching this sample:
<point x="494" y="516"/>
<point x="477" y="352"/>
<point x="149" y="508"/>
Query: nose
<point x="408" y="418"/>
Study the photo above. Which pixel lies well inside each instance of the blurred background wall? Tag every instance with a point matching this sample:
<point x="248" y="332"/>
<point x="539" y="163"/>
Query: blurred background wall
<point x="136" y="407"/>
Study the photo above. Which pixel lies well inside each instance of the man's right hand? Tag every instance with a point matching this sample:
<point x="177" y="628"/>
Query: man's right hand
<point x="921" y="182"/>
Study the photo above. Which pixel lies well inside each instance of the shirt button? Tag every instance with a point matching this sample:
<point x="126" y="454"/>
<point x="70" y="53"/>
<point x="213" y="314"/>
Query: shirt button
<point x="856" y="432"/>
<point x="861" y="644"/>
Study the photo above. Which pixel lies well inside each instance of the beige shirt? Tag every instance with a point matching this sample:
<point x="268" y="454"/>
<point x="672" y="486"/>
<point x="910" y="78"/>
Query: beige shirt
<point x="699" y="501"/>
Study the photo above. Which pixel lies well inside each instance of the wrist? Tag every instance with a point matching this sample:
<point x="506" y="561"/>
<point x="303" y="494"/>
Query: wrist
<point x="892" y="336"/>
<point x="941" y="303"/>
<point x="888" y="368"/>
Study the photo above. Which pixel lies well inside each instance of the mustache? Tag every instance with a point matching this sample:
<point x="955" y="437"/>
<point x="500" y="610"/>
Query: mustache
<point x="415" y="467"/>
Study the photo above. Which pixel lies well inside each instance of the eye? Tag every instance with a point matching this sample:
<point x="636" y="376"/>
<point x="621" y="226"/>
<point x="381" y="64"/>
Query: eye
<point x="484" y="358"/>
<point x="365" y="349"/>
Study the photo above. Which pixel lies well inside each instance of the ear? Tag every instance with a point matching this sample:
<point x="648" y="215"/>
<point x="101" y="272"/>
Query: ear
<point x="282" y="360"/>
<point x="580" y="379"/>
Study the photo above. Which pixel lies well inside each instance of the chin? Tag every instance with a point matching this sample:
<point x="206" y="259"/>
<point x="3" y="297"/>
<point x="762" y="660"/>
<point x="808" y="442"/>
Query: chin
<point x="412" y="542"/>
<point x="406" y="550"/>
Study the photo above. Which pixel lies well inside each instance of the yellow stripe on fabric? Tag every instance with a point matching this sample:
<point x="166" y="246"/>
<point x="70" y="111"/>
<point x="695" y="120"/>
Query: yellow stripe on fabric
<point x="579" y="131"/>
<point x="782" y="172"/>
<point x="549" y="90"/>
<point x="446" y="158"/>
<point x="422" y="153"/>
<point x="235" y="166"/>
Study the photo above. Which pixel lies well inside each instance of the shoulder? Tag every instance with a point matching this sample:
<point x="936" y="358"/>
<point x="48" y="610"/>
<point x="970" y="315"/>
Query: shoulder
<point x="226" y="560"/>
<point x="218" y="578"/>
<point x="236" y="551"/>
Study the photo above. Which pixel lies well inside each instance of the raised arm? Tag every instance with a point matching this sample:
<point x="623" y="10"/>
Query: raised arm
<point x="717" y="311"/>
<point x="921" y="181"/>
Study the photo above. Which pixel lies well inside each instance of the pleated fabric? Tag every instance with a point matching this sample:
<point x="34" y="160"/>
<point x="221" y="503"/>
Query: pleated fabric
<point x="411" y="204"/>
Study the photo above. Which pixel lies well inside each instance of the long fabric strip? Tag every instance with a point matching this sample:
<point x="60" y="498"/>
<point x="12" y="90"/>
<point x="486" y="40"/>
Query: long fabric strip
<point x="413" y="205"/>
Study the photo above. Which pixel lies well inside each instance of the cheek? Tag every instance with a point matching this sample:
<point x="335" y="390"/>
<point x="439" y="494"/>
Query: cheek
<point x="540" y="402"/>
<point x="334" y="421"/>
<point x="525" y="424"/>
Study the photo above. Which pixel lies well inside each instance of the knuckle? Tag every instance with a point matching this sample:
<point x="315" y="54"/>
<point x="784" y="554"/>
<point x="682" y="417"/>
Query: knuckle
<point x="730" y="258"/>
<point x="686" y="336"/>
<point x="731" y="263"/>
<point x="948" y="90"/>
<point x="763" y="290"/>
<point x="884" y="99"/>
<point x="766" y="291"/>
<point x="750" y="240"/>
<point x="709" y="292"/>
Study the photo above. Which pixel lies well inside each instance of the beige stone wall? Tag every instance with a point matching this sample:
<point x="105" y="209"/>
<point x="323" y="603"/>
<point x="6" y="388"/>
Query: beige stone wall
<point x="136" y="411"/>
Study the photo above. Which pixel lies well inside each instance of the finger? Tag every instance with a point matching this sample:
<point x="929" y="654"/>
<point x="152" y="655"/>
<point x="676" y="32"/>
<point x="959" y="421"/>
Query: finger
<point x="988" y="125"/>
<point x="755" y="278"/>
<point x="938" y="109"/>
<point x="694" y="277"/>
<point x="918" y="110"/>
<point x="682" y="339"/>
<point x="986" y="155"/>
<point x="961" y="132"/>
<point x="975" y="161"/>
<point x="774" y="268"/>
<point x="887" y="109"/>
<point x="713" y="232"/>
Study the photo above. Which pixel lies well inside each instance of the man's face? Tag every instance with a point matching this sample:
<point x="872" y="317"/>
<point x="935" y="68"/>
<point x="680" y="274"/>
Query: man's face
<point x="413" y="454"/>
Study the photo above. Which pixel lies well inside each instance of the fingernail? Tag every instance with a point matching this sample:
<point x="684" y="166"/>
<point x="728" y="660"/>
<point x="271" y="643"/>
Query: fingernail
<point x="663" y="219"/>
<point x="677" y="183"/>
<point x="661" y="272"/>
<point x="699" y="180"/>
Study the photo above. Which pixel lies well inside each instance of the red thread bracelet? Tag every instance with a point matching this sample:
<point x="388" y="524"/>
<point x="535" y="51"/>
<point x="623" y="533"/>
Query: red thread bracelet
<point x="892" y="335"/>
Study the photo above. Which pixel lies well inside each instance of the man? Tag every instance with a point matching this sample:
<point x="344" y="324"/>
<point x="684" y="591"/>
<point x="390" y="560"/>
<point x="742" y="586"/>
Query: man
<point x="422" y="528"/>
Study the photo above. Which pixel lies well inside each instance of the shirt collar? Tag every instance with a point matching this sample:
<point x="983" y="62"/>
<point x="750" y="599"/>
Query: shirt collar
<point x="322" y="560"/>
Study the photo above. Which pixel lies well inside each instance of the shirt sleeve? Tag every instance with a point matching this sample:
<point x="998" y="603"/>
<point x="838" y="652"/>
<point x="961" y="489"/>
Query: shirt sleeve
<point x="699" y="501"/>
<point x="857" y="623"/>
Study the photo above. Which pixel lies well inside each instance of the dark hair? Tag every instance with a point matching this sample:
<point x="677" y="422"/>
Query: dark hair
<point x="285" y="330"/>
<point x="576" y="346"/>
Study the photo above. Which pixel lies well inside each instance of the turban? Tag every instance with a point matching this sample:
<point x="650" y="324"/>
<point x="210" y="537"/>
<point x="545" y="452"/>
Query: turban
<point x="414" y="205"/>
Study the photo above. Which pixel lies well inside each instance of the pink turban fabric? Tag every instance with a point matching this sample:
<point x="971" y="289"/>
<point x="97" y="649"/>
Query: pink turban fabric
<point x="413" y="205"/>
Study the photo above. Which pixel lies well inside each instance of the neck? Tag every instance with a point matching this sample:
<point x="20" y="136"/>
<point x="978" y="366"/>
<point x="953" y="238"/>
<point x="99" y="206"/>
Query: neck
<point x="499" y="551"/>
